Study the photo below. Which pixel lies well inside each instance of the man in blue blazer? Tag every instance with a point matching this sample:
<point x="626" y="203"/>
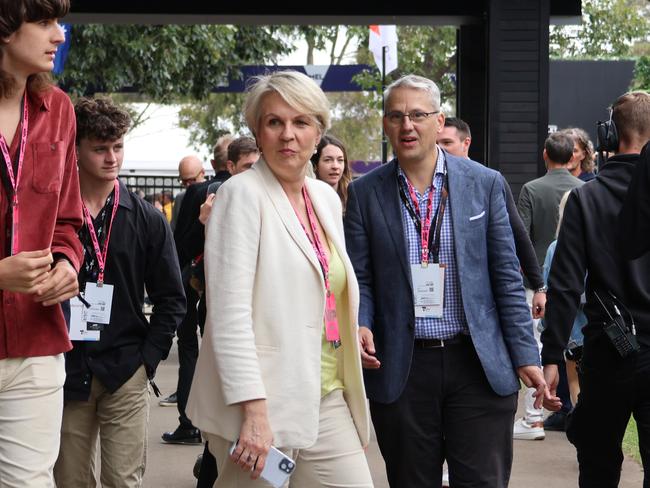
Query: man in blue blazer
<point x="445" y="329"/>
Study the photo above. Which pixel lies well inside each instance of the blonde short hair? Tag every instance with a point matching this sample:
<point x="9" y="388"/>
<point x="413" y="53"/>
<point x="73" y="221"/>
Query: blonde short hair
<point x="297" y="89"/>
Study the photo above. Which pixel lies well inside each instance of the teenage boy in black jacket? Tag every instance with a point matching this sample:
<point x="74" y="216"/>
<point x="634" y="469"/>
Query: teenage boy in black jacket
<point x="128" y="246"/>
<point x="588" y="245"/>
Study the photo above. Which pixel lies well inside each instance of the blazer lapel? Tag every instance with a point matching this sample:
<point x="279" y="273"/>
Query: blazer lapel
<point x="388" y="201"/>
<point x="286" y="212"/>
<point x="462" y="192"/>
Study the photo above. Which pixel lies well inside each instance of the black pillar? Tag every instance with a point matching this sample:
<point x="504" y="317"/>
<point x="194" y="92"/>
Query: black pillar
<point x="471" y="91"/>
<point x="517" y="87"/>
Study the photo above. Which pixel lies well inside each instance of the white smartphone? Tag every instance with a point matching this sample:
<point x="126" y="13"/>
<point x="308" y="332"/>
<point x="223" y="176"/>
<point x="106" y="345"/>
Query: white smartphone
<point x="278" y="466"/>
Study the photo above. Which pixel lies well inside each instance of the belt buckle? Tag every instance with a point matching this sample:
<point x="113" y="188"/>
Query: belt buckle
<point x="441" y="343"/>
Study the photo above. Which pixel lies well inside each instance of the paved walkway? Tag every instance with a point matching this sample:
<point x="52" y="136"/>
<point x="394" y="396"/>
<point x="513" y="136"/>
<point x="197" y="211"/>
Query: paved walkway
<point x="537" y="464"/>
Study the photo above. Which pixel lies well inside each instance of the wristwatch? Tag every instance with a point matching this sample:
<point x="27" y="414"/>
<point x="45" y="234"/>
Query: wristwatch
<point x="542" y="289"/>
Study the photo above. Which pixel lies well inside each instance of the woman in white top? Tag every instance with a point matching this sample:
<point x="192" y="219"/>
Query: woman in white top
<point x="279" y="363"/>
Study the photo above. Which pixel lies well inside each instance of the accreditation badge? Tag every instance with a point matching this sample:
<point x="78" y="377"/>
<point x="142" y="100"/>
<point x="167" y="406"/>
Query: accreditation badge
<point x="101" y="302"/>
<point x="428" y="289"/>
<point x="78" y="325"/>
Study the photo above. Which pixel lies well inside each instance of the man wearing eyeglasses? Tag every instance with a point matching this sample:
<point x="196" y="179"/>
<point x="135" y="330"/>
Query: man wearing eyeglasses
<point x="445" y="330"/>
<point x="190" y="171"/>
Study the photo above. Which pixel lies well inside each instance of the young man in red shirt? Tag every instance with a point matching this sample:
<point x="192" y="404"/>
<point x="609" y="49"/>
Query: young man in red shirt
<point x="40" y="214"/>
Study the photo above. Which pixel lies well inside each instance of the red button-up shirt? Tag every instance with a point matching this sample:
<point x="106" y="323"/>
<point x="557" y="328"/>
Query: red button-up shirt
<point x="50" y="216"/>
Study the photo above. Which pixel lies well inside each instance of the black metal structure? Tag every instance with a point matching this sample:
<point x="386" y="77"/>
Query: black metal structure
<point x="503" y="65"/>
<point x="151" y="185"/>
<point x="580" y="92"/>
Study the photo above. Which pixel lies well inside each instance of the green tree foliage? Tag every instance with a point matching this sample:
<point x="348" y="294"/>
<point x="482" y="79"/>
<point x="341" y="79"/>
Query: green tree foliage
<point x="421" y="50"/>
<point x="357" y="124"/>
<point x="642" y="74"/>
<point x="208" y="119"/>
<point x="164" y="63"/>
<point x="609" y="29"/>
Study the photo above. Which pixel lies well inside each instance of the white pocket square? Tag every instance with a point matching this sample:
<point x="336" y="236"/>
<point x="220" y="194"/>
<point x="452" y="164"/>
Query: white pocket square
<point x="476" y="217"/>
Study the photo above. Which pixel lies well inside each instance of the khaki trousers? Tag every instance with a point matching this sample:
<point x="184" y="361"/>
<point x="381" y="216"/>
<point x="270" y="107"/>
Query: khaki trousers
<point x="31" y="401"/>
<point x="336" y="460"/>
<point x="120" y="420"/>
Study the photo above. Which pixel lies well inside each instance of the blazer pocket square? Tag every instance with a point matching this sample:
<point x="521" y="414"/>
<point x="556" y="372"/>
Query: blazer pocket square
<point x="476" y="217"/>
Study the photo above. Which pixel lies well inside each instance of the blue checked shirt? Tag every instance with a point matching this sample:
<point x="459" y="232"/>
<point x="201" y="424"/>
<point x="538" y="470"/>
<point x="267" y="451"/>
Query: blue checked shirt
<point x="453" y="319"/>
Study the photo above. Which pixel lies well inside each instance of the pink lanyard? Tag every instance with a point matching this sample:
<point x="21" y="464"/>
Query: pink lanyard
<point x="15" y="179"/>
<point x="425" y="228"/>
<point x="102" y="255"/>
<point x="331" y="322"/>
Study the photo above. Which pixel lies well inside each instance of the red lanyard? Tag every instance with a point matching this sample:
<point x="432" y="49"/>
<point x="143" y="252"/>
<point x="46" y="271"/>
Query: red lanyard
<point x="15" y="179"/>
<point x="331" y="322"/>
<point x="102" y="255"/>
<point x="425" y="228"/>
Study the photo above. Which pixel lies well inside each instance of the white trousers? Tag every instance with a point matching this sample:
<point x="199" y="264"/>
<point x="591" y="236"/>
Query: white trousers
<point x="336" y="460"/>
<point x="31" y="406"/>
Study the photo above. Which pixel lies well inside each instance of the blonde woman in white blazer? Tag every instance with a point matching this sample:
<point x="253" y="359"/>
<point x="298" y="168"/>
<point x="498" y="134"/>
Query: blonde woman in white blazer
<point x="268" y="373"/>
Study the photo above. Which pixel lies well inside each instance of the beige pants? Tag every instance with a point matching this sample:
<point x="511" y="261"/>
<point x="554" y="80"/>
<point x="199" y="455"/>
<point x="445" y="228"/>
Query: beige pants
<point x="31" y="400"/>
<point x="120" y="419"/>
<point x="336" y="460"/>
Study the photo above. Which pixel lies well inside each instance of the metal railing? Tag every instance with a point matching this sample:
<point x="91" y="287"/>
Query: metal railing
<point x="152" y="186"/>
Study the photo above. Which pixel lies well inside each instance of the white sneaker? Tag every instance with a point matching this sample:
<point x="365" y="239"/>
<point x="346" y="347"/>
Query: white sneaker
<point x="528" y="431"/>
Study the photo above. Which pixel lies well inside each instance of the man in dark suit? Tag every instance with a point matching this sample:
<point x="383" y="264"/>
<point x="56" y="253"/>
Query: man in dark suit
<point x="444" y="326"/>
<point x="188" y="236"/>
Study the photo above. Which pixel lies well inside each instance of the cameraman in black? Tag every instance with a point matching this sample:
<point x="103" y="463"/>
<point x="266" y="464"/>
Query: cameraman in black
<point x="615" y="368"/>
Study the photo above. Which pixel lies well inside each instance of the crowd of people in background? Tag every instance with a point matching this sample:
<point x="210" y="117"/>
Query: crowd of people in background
<point x="419" y="297"/>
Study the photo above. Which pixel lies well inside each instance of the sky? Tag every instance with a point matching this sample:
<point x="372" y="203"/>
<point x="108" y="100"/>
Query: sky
<point x="158" y="144"/>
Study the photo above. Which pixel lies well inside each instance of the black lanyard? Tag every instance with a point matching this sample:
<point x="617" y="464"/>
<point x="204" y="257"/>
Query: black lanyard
<point x="434" y="237"/>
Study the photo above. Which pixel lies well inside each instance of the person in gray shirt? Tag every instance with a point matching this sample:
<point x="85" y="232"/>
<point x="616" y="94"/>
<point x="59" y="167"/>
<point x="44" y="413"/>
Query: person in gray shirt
<point x="539" y="199"/>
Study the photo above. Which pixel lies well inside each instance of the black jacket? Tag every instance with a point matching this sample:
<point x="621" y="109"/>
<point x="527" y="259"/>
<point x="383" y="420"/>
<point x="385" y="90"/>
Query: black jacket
<point x="189" y="234"/>
<point x="635" y="215"/>
<point x="588" y="244"/>
<point x="525" y="249"/>
<point x="141" y="254"/>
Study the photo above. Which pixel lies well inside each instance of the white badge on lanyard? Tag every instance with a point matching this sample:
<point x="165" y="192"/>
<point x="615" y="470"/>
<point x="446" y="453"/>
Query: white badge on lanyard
<point x="101" y="302"/>
<point x="78" y="324"/>
<point x="428" y="289"/>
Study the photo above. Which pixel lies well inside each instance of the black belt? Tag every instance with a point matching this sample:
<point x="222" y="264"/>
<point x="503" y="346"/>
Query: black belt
<point x="436" y="343"/>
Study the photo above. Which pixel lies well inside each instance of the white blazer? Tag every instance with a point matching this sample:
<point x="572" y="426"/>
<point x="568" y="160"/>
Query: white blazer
<point x="265" y="306"/>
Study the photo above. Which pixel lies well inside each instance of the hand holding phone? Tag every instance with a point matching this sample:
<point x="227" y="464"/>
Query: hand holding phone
<point x="277" y="467"/>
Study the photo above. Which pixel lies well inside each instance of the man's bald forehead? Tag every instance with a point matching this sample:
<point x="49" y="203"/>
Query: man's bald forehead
<point x="189" y="166"/>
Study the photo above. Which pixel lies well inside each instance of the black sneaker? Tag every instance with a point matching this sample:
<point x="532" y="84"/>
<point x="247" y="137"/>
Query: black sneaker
<point x="169" y="401"/>
<point x="556" y="422"/>
<point x="197" y="466"/>
<point x="183" y="436"/>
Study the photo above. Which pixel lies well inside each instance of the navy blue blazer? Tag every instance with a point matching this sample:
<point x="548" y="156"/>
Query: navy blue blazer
<point x="492" y="290"/>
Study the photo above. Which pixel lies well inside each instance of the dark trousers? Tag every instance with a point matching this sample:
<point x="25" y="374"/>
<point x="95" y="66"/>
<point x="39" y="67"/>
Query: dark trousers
<point x="611" y="389"/>
<point x="208" y="473"/>
<point x="188" y="352"/>
<point x="563" y="389"/>
<point x="447" y="410"/>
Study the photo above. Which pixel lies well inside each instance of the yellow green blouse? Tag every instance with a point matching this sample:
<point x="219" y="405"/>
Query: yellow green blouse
<point x="329" y="375"/>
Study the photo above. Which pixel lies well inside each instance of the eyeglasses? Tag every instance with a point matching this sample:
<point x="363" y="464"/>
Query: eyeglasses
<point x="417" y="116"/>
<point x="191" y="180"/>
